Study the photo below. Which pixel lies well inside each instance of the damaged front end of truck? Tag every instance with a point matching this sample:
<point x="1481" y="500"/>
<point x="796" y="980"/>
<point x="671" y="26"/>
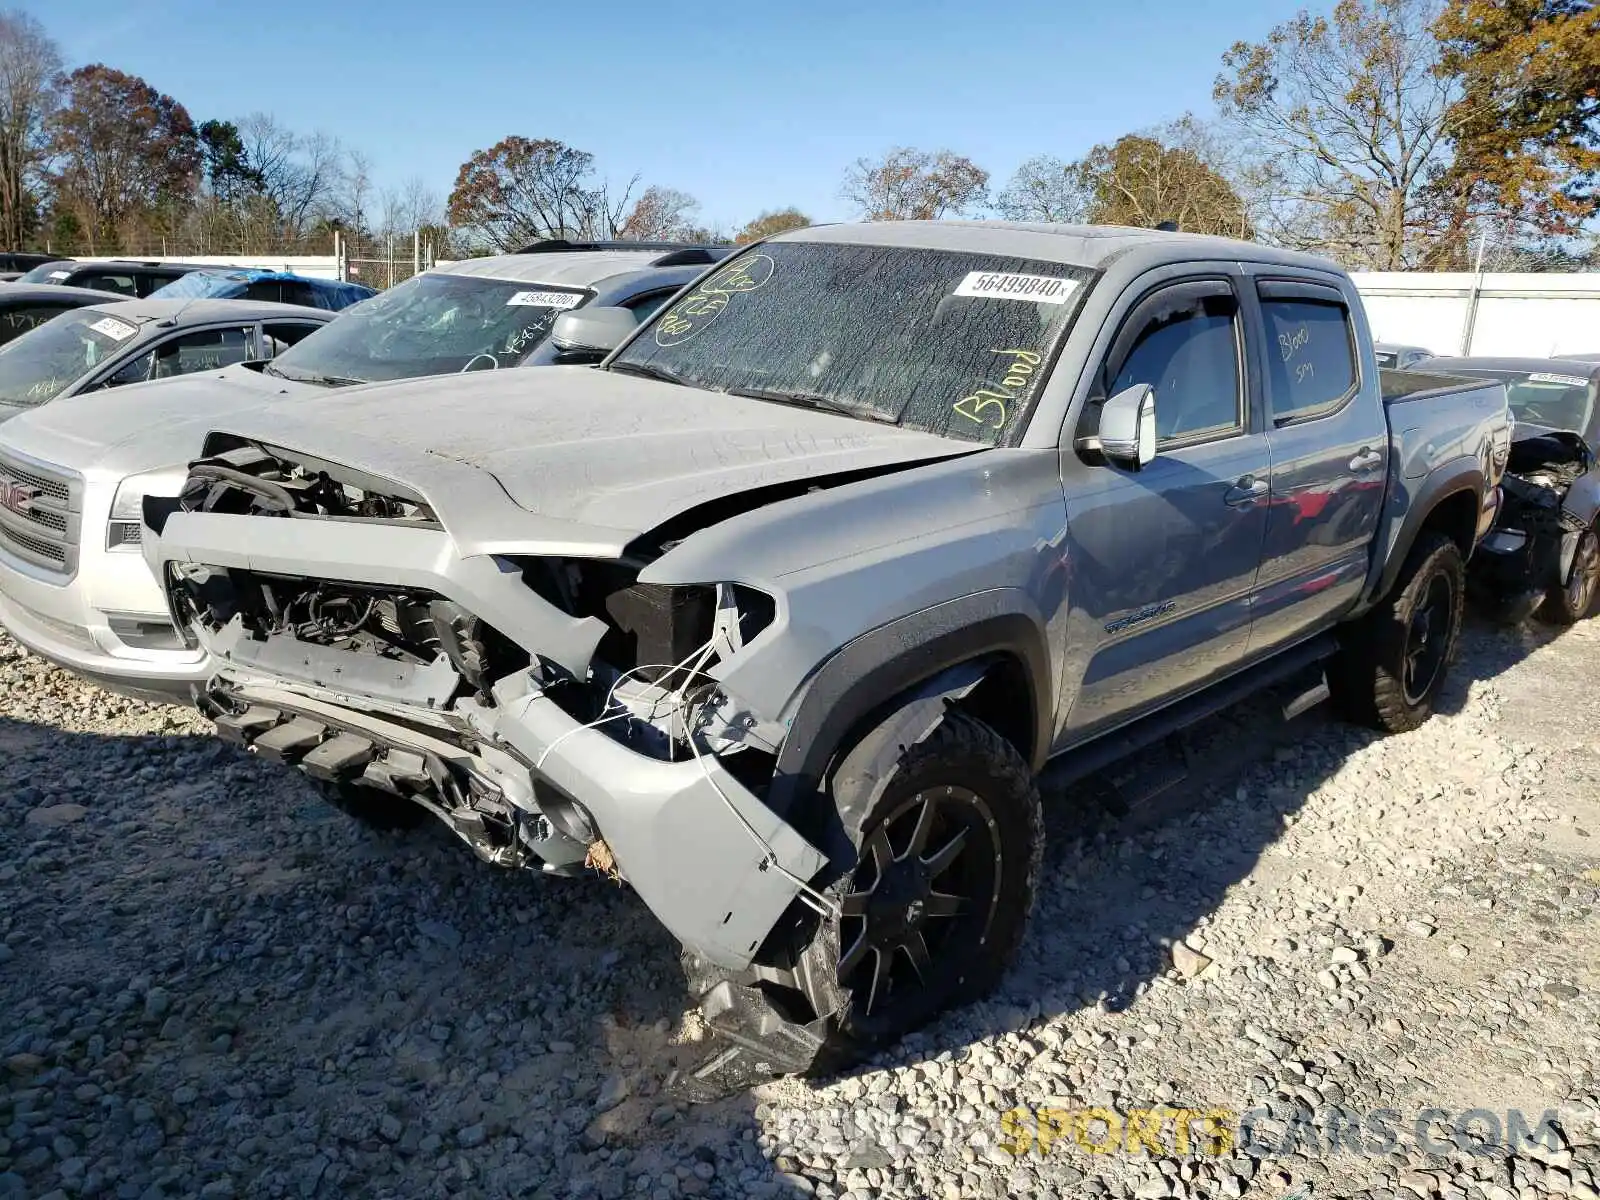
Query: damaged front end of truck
<point x="573" y="719"/>
<point x="1539" y="558"/>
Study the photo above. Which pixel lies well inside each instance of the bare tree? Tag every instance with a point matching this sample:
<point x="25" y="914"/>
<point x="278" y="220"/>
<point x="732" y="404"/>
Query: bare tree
<point x="300" y="175"/>
<point x="1045" y="189"/>
<point x="915" y="185"/>
<point x="30" y="62"/>
<point x="1350" y="115"/>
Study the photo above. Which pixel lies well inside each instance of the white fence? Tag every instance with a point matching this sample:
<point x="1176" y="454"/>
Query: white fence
<point x="1538" y="315"/>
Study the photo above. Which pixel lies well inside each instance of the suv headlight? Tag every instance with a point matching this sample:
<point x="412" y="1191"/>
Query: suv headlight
<point x="125" y="529"/>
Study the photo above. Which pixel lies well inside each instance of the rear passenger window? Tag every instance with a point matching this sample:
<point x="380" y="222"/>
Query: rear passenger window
<point x="269" y="290"/>
<point x="123" y="285"/>
<point x="1310" y="355"/>
<point x="1186" y="348"/>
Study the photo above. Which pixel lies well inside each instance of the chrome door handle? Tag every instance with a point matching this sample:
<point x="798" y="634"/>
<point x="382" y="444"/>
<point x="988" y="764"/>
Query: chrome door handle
<point x="1366" y="459"/>
<point x="1247" y="491"/>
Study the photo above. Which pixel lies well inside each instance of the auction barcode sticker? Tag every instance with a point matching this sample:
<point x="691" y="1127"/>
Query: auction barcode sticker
<point x="547" y="299"/>
<point x="1567" y="380"/>
<point x="1002" y="285"/>
<point x="114" y="329"/>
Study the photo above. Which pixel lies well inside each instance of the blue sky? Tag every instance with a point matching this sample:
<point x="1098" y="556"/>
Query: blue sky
<point x="746" y="106"/>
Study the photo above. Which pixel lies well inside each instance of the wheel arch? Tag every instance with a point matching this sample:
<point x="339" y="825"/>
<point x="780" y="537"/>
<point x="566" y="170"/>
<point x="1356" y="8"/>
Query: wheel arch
<point x="1451" y="503"/>
<point x="886" y="689"/>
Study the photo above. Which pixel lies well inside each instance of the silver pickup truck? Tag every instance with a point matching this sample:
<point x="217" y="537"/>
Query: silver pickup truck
<point x="779" y="613"/>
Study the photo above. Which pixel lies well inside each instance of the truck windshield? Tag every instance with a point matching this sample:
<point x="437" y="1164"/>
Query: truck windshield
<point x="954" y="344"/>
<point x="44" y="362"/>
<point x="430" y="325"/>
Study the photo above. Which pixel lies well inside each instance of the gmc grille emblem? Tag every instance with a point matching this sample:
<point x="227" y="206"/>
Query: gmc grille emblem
<point x="17" y="497"/>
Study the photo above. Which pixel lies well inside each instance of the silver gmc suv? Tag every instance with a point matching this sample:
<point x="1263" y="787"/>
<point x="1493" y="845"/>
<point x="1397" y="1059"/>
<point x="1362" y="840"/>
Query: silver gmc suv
<point x="72" y="586"/>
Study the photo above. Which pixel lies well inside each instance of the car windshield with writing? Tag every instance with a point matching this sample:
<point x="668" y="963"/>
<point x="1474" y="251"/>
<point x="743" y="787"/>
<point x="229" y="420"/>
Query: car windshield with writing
<point x="42" y="364"/>
<point x="954" y="344"/>
<point x="430" y="325"/>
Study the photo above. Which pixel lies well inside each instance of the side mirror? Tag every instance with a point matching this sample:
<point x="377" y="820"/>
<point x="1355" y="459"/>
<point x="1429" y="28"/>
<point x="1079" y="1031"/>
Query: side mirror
<point x="588" y="331"/>
<point x="1128" y="427"/>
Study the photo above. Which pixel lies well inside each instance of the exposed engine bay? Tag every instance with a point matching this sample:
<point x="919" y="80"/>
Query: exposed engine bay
<point x="1530" y="547"/>
<point x="648" y="687"/>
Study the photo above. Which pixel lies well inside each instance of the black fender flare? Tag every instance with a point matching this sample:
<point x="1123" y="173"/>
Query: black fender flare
<point x="887" y="689"/>
<point x="1463" y="476"/>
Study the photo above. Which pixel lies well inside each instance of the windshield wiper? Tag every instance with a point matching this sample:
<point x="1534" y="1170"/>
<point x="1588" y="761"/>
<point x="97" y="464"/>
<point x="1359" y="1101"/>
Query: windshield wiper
<point x="643" y="371"/>
<point x="321" y="380"/>
<point x="816" y="400"/>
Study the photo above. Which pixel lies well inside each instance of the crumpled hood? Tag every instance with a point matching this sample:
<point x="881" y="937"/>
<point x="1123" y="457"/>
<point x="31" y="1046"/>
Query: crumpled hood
<point x="138" y="428"/>
<point x="591" y="458"/>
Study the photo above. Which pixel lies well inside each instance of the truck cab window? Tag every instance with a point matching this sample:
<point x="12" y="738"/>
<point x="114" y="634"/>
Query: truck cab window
<point x="1187" y="349"/>
<point x="1310" y="356"/>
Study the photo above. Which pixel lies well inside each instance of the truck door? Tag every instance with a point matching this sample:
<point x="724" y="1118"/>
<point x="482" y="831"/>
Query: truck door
<point x="1330" y="455"/>
<point x="1164" y="559"/>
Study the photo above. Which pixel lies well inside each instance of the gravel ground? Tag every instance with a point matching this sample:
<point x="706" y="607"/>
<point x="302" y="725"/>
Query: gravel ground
<point x="214" y="985"/>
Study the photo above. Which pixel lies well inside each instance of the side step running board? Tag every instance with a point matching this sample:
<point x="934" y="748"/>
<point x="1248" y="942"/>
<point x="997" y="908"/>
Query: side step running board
<point x="1082" y="761"/>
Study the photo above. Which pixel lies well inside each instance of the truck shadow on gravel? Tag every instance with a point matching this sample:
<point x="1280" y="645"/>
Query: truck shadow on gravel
<point x="207" y="973"/>
<point x="1122" y="881"/>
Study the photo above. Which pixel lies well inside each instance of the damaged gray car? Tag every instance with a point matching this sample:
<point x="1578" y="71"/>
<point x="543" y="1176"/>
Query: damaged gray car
<point x="778" y="613"/>
<point x="1543" y="556"/>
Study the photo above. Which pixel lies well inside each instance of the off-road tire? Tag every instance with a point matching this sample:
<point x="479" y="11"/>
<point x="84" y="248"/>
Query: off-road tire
<point x="1570" y="602"/>
<point x="374" y="808"/>
<point x="961" y="753"/>
<point x="1367" y="676"/>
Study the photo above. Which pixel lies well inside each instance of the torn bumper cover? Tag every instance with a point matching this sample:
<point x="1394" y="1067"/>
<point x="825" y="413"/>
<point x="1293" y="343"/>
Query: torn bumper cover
<point x="715" y="865"/>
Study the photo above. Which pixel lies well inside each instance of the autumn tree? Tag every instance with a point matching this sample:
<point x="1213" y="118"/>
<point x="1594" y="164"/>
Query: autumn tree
<point x="120" y="147"/>
<point x="1351" y="119"/>
<point x="915" y="185"/>
<point x="29" y="95"/>
<point x="1527" y="123"/>
<point x="778" y="220"/>
<point x="527" y="189"/>
<point x="660" y="214"/>
<point x="1145" y="179"/>
<point x="1045" y="189"/>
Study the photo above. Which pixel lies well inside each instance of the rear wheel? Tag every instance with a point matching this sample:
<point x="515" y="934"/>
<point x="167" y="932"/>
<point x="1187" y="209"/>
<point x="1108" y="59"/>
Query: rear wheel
<point x="938" y="901"/>
<point x="1393" y="661"/>
<point x="1572" y="601"/>
<point x="373" y="807"/>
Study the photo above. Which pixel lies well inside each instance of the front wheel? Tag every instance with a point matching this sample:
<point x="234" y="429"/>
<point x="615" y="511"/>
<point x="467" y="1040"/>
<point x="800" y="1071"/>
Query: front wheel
<point x="1393" y="661"/>
<point x="936" y="906"/>
<point x="1572" y="601"/>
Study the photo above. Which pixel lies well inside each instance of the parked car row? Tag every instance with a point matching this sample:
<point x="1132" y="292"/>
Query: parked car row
<point x="777" y="586"/>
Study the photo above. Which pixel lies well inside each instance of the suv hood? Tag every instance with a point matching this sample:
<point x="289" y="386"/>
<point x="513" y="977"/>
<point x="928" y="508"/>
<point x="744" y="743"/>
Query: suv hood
<point x="574" y="459"/>
<point x="138" y="428"/>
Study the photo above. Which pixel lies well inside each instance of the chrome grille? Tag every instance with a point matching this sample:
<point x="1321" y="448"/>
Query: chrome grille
<point x="40" y="513"/>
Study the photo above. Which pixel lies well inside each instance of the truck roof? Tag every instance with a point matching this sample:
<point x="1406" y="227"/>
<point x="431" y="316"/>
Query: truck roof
<point x="1529" y="364"/>
<point x="1091" y="246"/>
<point x="203" y="311"/>
<point x="574" y="268"/>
